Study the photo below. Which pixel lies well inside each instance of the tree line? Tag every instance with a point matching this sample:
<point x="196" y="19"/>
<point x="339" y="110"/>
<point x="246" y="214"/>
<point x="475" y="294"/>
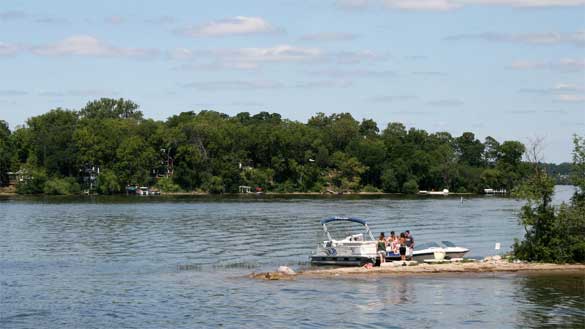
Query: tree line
<point x="58" y="153"/>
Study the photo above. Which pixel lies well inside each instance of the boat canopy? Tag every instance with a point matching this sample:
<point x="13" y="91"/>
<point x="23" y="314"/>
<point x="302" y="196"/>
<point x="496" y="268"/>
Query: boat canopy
<point x="346" y="219"/>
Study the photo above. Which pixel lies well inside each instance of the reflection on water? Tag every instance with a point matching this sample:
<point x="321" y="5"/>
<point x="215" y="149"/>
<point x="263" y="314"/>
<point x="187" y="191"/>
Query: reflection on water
<point x="559" y="299"/>
<point x="182" y="263"/>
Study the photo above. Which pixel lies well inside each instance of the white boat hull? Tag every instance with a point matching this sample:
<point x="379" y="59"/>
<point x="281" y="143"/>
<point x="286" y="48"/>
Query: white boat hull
<point x="341" y="260"/>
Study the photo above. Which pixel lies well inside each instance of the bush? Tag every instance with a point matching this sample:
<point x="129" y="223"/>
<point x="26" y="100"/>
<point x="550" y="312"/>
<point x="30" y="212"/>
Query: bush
<point x="389" y="181"/>
<point x="33" y="182"/>
<point x="166" y="184"/>
<point x="410" y="187"/>
<point x="108" y="183"/>
<point x="62" y="186"/>
<point x="370" y="189"/>
<point x="214" y="185"/>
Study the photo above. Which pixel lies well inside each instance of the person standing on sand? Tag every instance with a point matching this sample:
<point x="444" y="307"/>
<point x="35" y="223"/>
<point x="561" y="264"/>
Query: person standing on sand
<point x="409" y="244"/>
<point x="402" y="248"/>
<point x="381" y="248"/>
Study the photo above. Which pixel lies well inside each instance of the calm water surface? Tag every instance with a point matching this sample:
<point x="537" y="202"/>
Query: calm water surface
<point x="182" y="263"/>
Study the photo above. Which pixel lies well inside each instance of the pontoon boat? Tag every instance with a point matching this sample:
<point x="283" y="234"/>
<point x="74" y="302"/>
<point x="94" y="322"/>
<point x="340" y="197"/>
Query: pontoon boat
<point x="353" y="247"/>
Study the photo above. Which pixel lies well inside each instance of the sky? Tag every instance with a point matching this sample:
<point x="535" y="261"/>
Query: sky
<point x="510" y="69"/>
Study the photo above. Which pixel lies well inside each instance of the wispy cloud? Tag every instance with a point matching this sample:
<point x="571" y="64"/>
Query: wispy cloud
<point x="239" y="25"/>
<point x="78" y="93"/>
<point x="448" y="5"/>
<point x="13" y="92"/>
<point x="526" y="3"/>
<point x="430" y="73"/>
<point x="446" y="102"/>
<point x="352" y="4"/>
<point x="12" y="15"/>
<point x="91" y="92"/>
<point x="423" y="5"/>
<point x="548" y="38"/>
<point x="561" y="92"/>
<point x="161" y="20"/>
<point x="52" y="20"/>
<point x="85" y="45"/>
<point x="247" y="58"/>
<point x="563" y="65"/>
<point x="558" y="88"/>
<point x="7" y="49"/>
<point x="234" y="85"/>
<point x="328" y="37"/>
<point x="392" y="99"/>
<point x="265" y="84"/>
<point x="571" y="98"/>
<point x="356" y="57"/>
<point x="356" y="73"/>
<point x="115" y="20"/>
<point x="247" y="104"/>
<point x="253" y="58"/>
<point x="323" y="84"/>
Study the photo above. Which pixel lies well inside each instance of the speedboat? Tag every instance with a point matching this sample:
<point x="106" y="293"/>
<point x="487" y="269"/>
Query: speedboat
<point x="356" y="244"/>
<point x="427" y="251"/>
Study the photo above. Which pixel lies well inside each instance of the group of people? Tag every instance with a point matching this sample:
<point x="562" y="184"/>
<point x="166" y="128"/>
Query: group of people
<point x="402" y="245"/>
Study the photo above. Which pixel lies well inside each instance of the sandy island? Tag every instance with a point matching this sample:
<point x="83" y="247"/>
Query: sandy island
<point x="460" y="267"/>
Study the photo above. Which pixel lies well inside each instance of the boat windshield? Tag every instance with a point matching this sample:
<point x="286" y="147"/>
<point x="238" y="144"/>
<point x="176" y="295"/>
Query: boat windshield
<point x="341" y="230"/>
<point x="448" y="244"/>
<point x="427" y="245"/>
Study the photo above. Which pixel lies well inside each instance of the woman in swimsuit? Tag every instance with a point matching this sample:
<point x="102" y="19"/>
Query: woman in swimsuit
<point x="381" y="248"/>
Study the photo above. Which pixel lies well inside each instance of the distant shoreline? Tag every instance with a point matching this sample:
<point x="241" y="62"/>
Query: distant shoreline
<point x="194" y="193"/>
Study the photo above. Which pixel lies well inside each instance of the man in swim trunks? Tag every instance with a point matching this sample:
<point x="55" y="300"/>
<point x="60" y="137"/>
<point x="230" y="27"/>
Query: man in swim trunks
<point x="409" y="244"/>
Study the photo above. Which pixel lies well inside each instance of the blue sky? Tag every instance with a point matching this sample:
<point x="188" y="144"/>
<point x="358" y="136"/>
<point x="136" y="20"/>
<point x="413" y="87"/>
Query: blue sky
<point x="512" y="69"/>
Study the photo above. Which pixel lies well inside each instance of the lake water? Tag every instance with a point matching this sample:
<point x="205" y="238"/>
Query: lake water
<point x="181" y="262"/>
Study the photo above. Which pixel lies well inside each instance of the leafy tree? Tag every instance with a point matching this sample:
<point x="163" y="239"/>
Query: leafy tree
<point x="552" y="235"/>
<point x="5" y="152"/>
<point x="33" y="181"/>
<point x="51" y="135"/>
<point x="166" y="184"/>
<point x="134" y="161"/>
<point x="470" y="150"/>
<point x="492" y="178"/>
<point x="369" y="128"/>
<point x="491" y="151"/>
<point x="389" y="182"/>
<point x="578" y="171"/>
<point x="213" y="184"/>
<point x="108" y="182"/>
<point x="107" y="108"/>
<point x="410" y="187"/>
<point x="62" y="186"/>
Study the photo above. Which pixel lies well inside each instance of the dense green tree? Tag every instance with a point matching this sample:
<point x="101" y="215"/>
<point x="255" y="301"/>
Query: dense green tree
<point x="6" y="151"/>
<point x="107" y="108"/>
<point x="389" y="182"/>
<point x="491" y="151"/>
<point x="410" y="187"/>
<point x="33" y="181"/>
<point x="553" y="234"/>
<point x="108" y="182"/>
<point x="469" y="149"/>
<point x="51" y="135"/>
<point x="215" y="152"/>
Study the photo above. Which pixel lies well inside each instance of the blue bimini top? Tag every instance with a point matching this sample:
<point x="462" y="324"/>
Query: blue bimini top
<point x="340" y="219"/>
